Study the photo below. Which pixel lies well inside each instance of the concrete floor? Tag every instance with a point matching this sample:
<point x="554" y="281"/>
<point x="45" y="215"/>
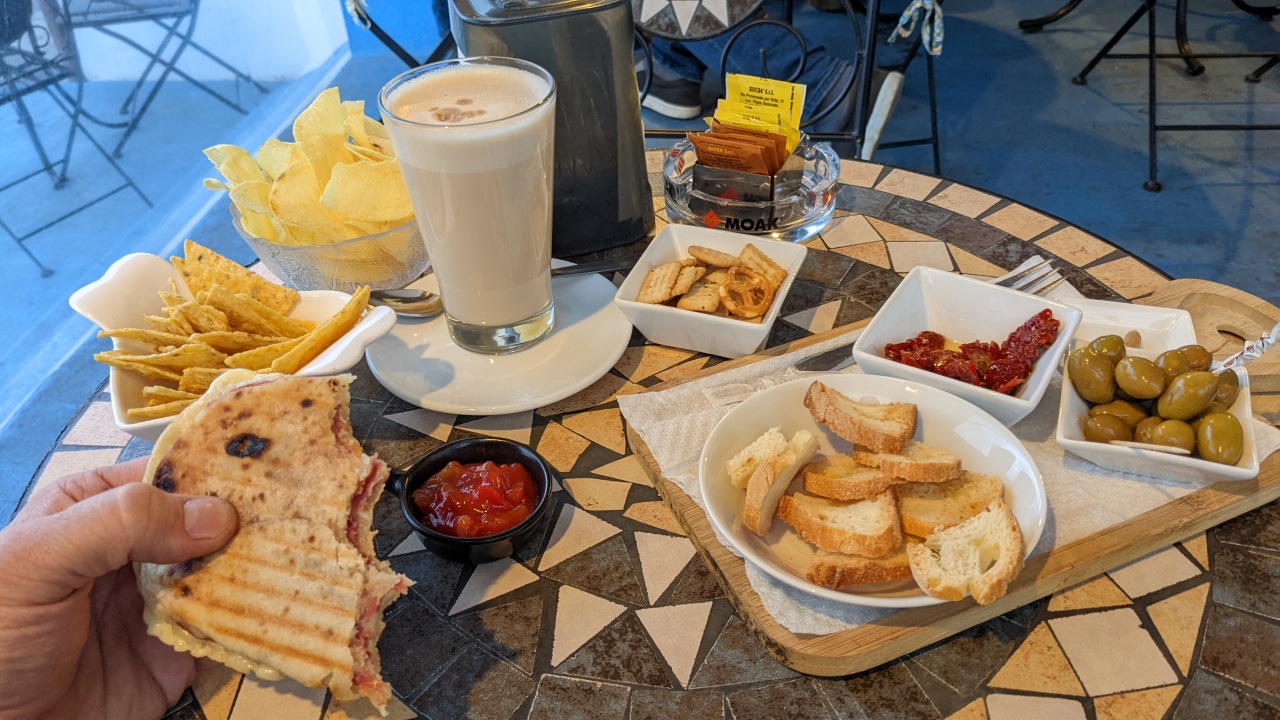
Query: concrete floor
<point x="1011" y="122"/>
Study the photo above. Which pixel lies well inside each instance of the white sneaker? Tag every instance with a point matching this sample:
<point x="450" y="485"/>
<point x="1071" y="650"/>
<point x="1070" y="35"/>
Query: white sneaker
<point x="881" y="111"/>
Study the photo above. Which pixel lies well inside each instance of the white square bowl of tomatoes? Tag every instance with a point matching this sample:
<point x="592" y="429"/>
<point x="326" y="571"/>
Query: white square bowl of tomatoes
<point x="995" y="347"/>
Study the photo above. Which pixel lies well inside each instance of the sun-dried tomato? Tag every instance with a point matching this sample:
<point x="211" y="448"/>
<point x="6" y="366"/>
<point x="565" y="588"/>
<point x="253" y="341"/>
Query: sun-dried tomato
<point x="1002" y="367"/>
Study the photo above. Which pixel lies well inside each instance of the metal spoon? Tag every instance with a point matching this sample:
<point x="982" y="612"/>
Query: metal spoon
<point x="408" y="302"/>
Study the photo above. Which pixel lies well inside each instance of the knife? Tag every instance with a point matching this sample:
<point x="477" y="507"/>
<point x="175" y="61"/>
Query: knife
<point x="595" y="266"/>
<point x="838" y="357"/>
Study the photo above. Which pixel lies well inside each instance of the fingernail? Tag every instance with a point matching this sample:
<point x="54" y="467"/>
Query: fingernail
<point x="205" y="517"/>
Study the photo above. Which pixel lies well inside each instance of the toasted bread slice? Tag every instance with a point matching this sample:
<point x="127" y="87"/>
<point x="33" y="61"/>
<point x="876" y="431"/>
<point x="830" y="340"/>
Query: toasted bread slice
<point x="864" y="527"/>
<point x="978" y="557"/>
<point x="770" y="481"/>
<point x="836" y="570"/>
<point x="764" y="448"/>
<point x="881" y="428"/>
<point x="929" y="507"/>
<point x="916" y="463"/>
<point x="840" y="477"/>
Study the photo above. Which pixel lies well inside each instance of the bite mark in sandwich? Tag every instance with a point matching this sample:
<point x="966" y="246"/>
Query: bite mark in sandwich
<point x="299" y="591"/>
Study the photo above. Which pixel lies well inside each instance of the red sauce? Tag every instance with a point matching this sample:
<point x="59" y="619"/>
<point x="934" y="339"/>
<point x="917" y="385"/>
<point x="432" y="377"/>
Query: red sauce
<point x="476" y="500"/>
<point x="1002" y="367"/>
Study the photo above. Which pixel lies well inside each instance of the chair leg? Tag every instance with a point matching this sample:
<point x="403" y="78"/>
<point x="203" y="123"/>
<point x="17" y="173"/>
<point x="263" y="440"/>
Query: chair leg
<point x="155" y="90"/>
<point x="24" y="117"/>
<point x="935" y="141"/>
<point x="1151" y="185"/>
<point x="1256" y="75"/>
<point x="1083" y="76"/>
<point x="240" y="75"/>
<point x="70" y="110"/>
<point x="1194" y="66"/>
<point x="146" y="72"/>
<point x="1035" y="25"/>
<point x="1261" y="12"/>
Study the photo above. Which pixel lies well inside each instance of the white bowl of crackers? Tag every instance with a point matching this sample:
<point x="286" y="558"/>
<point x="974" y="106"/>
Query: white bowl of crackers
<point x="708" y="290"/>
<point x="174" y="327"/>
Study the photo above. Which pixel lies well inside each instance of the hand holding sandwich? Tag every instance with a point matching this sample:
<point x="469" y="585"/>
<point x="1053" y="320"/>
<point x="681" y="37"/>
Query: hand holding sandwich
<point x="72" y="638"/>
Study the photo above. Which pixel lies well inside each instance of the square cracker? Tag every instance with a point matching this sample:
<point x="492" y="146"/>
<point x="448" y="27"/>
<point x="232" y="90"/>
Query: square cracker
<point x="658" y="284"/>
<point x="752" y="257"/>
<point x="704" y="296"/>
<point x="686" y="278"/>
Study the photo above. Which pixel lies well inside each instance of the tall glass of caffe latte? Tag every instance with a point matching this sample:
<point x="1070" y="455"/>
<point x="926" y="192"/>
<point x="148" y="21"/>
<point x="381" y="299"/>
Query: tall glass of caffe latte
<point x="474" y="138"/>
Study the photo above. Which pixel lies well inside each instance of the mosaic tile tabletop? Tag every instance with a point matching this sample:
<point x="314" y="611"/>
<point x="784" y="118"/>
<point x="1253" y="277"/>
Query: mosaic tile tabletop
<point x="611" y="614"/>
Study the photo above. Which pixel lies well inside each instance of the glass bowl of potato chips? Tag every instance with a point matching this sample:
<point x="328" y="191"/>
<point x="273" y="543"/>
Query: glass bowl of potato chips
<point x="387" y="260"/>
<point x="329" y="210"/>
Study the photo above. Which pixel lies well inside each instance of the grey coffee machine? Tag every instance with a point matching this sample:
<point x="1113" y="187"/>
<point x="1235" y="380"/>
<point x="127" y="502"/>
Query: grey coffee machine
<point x="602" y="193"/>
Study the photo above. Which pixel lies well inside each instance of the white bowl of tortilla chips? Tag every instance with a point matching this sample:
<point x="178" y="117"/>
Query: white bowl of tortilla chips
<point x="176" y="327"/>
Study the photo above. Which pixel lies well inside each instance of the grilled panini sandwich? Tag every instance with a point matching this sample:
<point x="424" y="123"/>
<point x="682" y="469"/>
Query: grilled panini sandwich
<point x="298" y="592"/>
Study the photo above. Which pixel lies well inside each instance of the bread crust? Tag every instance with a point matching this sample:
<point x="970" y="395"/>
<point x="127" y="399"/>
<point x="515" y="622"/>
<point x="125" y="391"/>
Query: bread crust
<point x="917" y="462"/>
<point x="994" y="526"/>
<point x="844" y="480"/>
<point x="880" y="536"/>
<point x="882" y="428"/>
<point x="771" y="479"/>
<point x="836" y="570"/>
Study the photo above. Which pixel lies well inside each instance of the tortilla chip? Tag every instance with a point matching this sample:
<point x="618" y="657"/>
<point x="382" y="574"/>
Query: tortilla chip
<point x="151" y="412"/>
<point x="147" y="371"/>
<point x="324" y="335"/>
<point x="261" y="358"/>
<point x="203" y="268"/>
<point x="198" y="379"/>
<point x="235" y="341"/>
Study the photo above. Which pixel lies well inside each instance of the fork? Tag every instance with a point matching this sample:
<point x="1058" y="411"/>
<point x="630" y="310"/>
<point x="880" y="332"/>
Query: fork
<point x="1036" y="280"/>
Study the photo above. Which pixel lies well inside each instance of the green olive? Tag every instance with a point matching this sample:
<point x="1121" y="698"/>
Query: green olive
<point x="1092" y="374"/>
<point x="1198" y="356"/>
<point x="1142" y="433"/>
<point x="1220" y="438"/>
<point x="1174" y="433"/>
<point x="1187" y="396"/>
<point x="1110" y="345"/>
<point x="1128" y="412"/>
<point x="1173" y="363"/>
<point x="1105" y="428"/>
<point x="1228" y="389"/>
<point x="1140" y="378"/>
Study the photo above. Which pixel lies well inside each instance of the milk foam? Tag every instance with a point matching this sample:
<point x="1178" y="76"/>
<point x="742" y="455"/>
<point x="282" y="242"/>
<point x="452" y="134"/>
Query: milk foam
<point x="468" y="95"/>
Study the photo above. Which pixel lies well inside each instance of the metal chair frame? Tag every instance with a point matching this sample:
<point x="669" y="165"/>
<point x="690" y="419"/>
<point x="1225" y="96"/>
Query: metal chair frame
<point x="1185" y="53"/>
<point x="171" y="19"/>
<point x="40" y="73"/>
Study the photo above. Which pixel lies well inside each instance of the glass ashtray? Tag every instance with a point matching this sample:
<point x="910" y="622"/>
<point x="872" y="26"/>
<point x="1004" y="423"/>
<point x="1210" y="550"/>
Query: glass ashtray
<point x="804" y="193"/>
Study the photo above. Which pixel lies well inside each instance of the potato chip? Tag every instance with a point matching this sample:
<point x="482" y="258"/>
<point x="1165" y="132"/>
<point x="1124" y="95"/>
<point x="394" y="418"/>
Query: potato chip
<point x="324" y="335"/>
<point x="214" y="184"/>
<point x="354" y="123"/>
<point x="151" y="412"/>
<point x="252" y="197"/>
<point x="203" y="268"/>
<point x="261" y="358"/>
<point x="234" y="163"/>
<point x="368" y="191"/>
<point x="197" y="379"/>
<point x="295" y="200"/>
<point x="273" y="157"/>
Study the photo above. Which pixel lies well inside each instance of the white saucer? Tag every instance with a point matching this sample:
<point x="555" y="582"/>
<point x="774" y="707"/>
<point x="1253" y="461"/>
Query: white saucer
<point x="419" y="363"/>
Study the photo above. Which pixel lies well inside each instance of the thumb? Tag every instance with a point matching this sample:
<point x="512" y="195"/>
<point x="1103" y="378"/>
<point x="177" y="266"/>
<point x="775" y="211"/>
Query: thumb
<point x="127" y="524"/>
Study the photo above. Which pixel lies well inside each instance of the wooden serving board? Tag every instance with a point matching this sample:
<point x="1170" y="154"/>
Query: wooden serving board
<point x="878" y="642"/>
<point x="1224" y="318"/>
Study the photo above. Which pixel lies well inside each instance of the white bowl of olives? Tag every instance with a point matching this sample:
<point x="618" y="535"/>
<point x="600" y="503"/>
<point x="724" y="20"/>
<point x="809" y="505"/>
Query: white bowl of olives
<point x="1171" y="400"/>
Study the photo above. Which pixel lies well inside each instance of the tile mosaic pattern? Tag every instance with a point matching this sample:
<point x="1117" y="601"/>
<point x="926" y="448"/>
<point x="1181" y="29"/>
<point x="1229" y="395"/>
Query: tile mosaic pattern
<point x="610" y="614"/>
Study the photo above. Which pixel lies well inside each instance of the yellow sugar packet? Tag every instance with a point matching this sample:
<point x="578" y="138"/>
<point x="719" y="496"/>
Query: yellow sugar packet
<point x="757" y="119"/>
<point x="784" y="97"/>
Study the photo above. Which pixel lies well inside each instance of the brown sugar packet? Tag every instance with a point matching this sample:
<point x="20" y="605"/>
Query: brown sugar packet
<point x="779" y="142"/>
<point x="729" y="154"/>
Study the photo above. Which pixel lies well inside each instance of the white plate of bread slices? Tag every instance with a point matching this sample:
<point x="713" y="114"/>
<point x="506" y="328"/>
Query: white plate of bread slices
<point x="872" y="490"/>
